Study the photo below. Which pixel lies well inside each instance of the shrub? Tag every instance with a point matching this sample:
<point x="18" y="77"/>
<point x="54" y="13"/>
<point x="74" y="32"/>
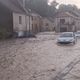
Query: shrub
<point x="4" y="33"/>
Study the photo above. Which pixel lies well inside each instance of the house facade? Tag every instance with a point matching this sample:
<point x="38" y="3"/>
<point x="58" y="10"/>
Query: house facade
<point x="48" y="24"/>
<point x="19" y="22"/>
<point x="66" y="22"/>
<point x="18" y="18"/>
<point x="14" y="15"/>
<point x="36" y="22"/>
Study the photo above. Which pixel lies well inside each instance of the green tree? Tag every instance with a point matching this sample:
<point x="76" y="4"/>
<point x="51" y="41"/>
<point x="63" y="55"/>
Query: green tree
<point x="41" y="7"/>
<point x="68" y="7"/>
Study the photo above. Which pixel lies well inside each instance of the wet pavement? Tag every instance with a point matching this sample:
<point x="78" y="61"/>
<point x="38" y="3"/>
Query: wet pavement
<point x="39" y="59"/>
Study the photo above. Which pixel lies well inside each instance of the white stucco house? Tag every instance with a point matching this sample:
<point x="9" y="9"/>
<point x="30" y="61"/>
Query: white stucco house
<point x="17" y="17"/>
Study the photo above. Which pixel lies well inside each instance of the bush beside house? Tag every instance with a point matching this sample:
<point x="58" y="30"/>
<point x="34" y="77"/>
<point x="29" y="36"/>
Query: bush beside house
<point x="5" y="33"/>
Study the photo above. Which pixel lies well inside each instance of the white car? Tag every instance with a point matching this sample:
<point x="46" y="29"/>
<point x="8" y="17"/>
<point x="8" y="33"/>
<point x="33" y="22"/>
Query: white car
<point x="67" y="37"/>
<point x="77" y="34"/>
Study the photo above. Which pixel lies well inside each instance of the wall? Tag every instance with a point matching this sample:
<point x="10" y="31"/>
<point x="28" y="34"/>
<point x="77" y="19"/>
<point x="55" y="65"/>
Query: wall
<point x="47" y="25"/>
<point x="29" y="23"/>
<point x="78" y="24"/>
<point x="68" y="20"/>
<point x="16" y="25"/>
<point x="36" y="23"/>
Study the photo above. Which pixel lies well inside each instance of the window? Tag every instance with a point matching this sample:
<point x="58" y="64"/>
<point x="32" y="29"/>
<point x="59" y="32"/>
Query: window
<point x="32" y="17"/>
<point x="46" y="24"/>
<point x="32" y="25"/>
<point x="35" y="18"/>
<point x="62" y="21"/>
<point x="20" y="19"/>
<point x="36" y="25"/>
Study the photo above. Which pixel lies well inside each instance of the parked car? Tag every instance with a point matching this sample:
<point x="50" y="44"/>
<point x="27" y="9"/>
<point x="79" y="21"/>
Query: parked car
<point x="77" y="34"/>
<point x="67" y="37"/>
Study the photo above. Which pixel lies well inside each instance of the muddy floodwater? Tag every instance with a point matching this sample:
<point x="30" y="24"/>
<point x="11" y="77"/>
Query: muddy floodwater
<point x="39" y="58"/>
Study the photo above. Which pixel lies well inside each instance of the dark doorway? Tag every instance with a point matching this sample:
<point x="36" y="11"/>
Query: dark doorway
<point x="62" y="21"/>
<point x="63" y="29"/>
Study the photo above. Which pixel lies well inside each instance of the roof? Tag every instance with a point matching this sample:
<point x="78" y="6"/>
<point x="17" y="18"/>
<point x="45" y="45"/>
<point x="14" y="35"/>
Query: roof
<point x="13" y="5"/>
<point x="70" y="14"/>
<point x="51" y="19"/>
<point x="75" y="13"/>
<point x="33" y="13"/>
<point x="67" y="14"/>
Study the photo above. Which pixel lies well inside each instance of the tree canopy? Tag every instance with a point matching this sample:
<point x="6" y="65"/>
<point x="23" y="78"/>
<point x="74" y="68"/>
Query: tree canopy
<point x="68" y="7"/>
<point x="41" y="7"/>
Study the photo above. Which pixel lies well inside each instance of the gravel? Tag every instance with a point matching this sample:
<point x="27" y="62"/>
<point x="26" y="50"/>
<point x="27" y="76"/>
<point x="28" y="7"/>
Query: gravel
<point x="37" y="58"/>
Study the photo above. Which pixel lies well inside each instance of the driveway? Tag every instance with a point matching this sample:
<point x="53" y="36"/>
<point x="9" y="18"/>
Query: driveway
<point x="39" y="59"/>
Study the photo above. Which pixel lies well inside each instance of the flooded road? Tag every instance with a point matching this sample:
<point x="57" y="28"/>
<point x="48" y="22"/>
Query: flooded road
<point x="39" y="59"/>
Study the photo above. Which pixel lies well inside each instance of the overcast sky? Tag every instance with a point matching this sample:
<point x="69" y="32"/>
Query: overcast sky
<point x="76" y="2"/>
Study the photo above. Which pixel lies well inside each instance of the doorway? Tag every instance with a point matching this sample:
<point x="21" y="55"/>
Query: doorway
<point x="63" y="29"/>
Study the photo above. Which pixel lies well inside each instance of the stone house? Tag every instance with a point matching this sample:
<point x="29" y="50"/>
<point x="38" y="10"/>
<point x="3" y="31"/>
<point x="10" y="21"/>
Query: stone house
<point x="48" y="24"/>
<point x="17" y="18"/>
<point x="36" y="22"/>
<point x="66" y="22"/>
<point x="14" y="15"/>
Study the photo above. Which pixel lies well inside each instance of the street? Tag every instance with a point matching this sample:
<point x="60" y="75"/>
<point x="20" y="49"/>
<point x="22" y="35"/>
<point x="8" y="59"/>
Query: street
<point x="39" y="58"/>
